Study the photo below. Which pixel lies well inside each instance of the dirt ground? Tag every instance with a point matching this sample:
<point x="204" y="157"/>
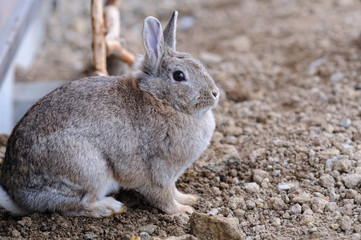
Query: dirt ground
<point x="285" y="159"/>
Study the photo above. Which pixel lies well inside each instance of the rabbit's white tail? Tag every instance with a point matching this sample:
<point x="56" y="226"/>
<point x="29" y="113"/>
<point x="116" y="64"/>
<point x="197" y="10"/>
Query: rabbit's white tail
<point x="7" y="203"/>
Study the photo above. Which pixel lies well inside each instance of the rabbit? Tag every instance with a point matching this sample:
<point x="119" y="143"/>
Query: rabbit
<point x="91" y="137"/>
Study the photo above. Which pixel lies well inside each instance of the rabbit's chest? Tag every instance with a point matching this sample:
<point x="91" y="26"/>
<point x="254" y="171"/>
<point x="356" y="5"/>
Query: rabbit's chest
<point x="192" y="139"/>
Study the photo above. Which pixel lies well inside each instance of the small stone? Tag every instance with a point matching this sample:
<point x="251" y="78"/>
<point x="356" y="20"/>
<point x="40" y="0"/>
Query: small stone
<point x="352" y="180"/>
<point x="251" y="187"/>
<point x="144" y="235"/>
<point x="307" y="219"/>
<point x="286" y="215"/>
<point x="91" y="236"/>
<point x="259" y="175"/>
<point x="285" y="186"/>
<point x="302" y="198"/>
<point x="336" y="77"/>
<point x="216" y="191"/>
<point x="250" y="204"/>
<point x="256" y="154"/>
<point x="296" y="209"/>
<point x="204" y="226"/>
<point x="308" y="211"/>
<point x="332" y="161"/>
<point x="331" y="206"/>
<point x="277" y="203"/>
<point x="318" y="204"/>
<point x="181" y="218"/>
<point x="345" y="223"/>
<point x="15" y="233"/>
<point x="345" y="123"/>
<point x="343" y="165"/>
<point x="239" y="213"/>
<point x="357" y="228"/>
<point x="224" y="185"/>
<point x="148" y="229"/>
<point x="235" y="202"/>
<point x="276" y="222"/>
<point x="327" y="181"/>
<point x="276" y="172"/>
<point x="356" y="236"/>
<point x="265" y="183"/>
<point x="213" y="212"/>
<point x="328" y="153"/>
<point x="27" y="221"/>
<point x="334" y="226"/>
<point x="312" y="230"/>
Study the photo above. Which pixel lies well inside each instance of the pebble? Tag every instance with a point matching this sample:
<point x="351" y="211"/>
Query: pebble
<point x="307" y="219"/>
<point x="250" y="204"/>
<point x="148" y="229"/>
<point x="318" y="204"/>
<point x="328" y="153"/>
<point x="277" y="203"/>
<point x="332" y="161"/>
<point x="256" y="154"/>
<point x="336" y="77"/>
<point x="259" y="175"/>
<point x="235" y="202"/>
<point x="204" y="226"/>
<point x="276" y="222"/>
<point x="213" y="212"/>
<point x="181" y="218"/>
<point x="276" y="172"/>
<point x="285" y="186"/>
<point x="144" y="235"/>
<point x="327" y="181"/>
<point x="345" y="123"/>
<point x="331" y="206"/>
<point x="302" y="198"/>
<point x="334" y="226"/>
<point x="296" y="209"/>
<point x="91" y="236"/>
<point x="251" y="187"/>
<point x="352" y="180"/>
<point x="343" y="165"/>
<point x="345" y="223"/>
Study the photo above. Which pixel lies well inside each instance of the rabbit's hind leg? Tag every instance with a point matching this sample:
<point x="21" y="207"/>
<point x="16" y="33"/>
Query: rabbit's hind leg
<point x="163" y="197"/>
<point x="182" y="198"/>
<point x="104" y="207"/>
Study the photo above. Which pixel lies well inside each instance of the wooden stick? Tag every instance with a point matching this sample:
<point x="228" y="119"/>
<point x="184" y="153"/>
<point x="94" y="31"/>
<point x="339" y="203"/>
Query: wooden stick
<point x="99" y="45"/>
<point x="112" y="38"/>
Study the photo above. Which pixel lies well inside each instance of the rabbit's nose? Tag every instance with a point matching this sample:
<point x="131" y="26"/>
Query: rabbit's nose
<point x="215" y="93"/>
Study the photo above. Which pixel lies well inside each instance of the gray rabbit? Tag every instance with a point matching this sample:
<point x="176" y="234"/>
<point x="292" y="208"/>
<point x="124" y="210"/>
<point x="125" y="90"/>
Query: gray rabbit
<point x="91" y="137"/>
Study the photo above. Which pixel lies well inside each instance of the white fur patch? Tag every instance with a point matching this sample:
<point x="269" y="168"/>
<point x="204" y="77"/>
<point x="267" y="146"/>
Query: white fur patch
<point x="7" y="203"/>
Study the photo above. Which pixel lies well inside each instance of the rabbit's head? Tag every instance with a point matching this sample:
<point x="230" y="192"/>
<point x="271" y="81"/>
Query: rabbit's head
<point x="172" y="77"/>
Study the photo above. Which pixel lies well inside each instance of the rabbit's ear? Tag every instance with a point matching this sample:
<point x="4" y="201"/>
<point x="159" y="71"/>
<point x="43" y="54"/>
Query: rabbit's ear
<point x="153" y="41"/>
<point x="170" y="31"/>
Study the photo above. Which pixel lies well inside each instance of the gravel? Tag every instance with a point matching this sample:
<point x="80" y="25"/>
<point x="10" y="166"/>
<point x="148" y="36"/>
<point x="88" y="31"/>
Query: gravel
<point x="285" y="159"/>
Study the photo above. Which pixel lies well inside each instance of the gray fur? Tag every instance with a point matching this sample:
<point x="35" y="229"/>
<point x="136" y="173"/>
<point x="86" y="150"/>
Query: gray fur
<point x="91" y="137"/>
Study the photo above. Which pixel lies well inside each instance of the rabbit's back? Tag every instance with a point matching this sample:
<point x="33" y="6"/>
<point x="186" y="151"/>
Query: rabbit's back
<point x="100" y="126"/>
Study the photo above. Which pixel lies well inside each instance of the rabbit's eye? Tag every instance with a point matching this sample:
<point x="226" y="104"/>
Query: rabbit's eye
<point x="179" y="76"/>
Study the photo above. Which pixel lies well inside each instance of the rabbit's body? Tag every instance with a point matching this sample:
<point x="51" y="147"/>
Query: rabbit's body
<point x="91" y="137"/>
